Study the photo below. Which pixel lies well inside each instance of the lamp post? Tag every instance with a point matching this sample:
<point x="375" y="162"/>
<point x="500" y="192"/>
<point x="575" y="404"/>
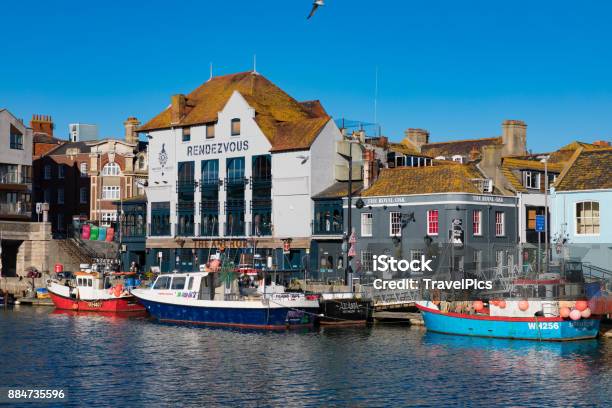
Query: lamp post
<point x="545" y="214"/>
<point x="348" y="273"/>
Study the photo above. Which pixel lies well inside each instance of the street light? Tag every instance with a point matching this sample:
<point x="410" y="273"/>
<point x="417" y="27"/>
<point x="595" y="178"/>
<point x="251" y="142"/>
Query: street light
<point x="348" y="273"/>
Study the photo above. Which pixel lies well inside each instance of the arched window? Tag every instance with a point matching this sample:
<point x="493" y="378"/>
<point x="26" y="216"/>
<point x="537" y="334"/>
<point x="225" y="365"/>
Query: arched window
<point x="141" y="163"/>
<point x="111" y="169"/>
<point x="587" y="218"/>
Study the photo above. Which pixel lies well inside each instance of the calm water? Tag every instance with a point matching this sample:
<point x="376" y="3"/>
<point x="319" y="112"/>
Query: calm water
<point x="105" y="361"/>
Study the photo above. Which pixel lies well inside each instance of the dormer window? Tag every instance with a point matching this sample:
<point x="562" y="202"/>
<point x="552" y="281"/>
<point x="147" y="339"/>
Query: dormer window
<point x="210" y="131"/>
<point x="186" y="134"/>
<point x="457" y="158"/>
<point x="531" y="179"/>
<point x="235" y="127"/>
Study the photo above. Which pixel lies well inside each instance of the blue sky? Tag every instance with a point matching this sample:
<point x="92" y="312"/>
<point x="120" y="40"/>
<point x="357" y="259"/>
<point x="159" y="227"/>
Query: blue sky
<point x="456" y="68"/>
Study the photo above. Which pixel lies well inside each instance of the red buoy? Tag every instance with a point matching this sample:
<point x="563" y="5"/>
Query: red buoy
<point x="523" y="305"/>
<point x="581" y="305"/>
<point x="564" y="312"/>
<point x="478" y="305"/>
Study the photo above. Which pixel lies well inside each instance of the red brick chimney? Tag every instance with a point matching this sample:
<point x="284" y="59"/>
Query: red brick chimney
<point x="42" y="124"/>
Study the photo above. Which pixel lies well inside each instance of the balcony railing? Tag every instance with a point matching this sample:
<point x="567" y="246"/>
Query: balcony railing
<point x="18" y="208"/>
<point x="209" y="206"/>
<point x="209" y="229"/>
<point x="258" y="203"/>
<point x="327" y="227"/>
<point x="210" y="184"/>
<point x="133" y="231"/>
<point x="185" y="186"/>
<point x="235" y="182"/>
<point x="185" y="206"/>
<point x="261" y="181"/>
<point x="236" y="205"/>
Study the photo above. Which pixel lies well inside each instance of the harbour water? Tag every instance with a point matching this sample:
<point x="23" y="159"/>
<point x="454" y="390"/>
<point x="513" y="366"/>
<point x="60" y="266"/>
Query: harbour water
<point x="112" y="361"/>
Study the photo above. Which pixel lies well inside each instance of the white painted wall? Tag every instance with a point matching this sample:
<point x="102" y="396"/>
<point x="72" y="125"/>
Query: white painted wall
<point x="14" y="156"/>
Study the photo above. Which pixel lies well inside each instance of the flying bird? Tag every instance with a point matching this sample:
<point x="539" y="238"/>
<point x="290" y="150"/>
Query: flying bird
<point x="315" y="6"/>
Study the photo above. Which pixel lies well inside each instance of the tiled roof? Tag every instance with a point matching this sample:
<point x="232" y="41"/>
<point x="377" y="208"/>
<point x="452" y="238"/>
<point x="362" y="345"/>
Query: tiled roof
<point x="425" y="180"/>
<point x="277" y="114"/>
<point x="459" y="147"/>
<point x="523" y="164"/>
<point x="588" y="170"/>
<point x="62" y="149"/>
<point x="405" y="149"/>
<point x="565" y="153"/>
<point x="339" y="190"/>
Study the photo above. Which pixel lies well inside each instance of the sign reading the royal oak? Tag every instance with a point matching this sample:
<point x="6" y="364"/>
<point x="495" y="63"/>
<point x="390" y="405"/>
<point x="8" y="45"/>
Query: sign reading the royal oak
<point x="218" y="148"/>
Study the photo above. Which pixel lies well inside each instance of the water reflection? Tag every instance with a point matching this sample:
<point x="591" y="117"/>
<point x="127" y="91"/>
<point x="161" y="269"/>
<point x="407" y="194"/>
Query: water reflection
<point x="137" y="362"/>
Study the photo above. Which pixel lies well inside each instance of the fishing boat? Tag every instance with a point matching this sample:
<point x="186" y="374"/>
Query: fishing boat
<point x="344" y="309"/>
<point x="94" y="292"/>
<point x="216" y="298"/>
<point x="512" y="319"/>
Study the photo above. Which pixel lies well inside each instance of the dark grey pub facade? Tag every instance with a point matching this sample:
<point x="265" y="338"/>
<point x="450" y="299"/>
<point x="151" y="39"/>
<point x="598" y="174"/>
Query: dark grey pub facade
<point x="442" y="212"/>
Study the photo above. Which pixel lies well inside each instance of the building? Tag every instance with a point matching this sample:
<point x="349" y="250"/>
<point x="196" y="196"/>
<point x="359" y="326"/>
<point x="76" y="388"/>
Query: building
<point x="81" y="180"/>
<point x="132" y="231"/>
<point x="442" y="212"/>
<point x="582" y="209"/>
<point x="234" y="164"/>
<point x="81" y="132"/>
<point x="24" y="244"/>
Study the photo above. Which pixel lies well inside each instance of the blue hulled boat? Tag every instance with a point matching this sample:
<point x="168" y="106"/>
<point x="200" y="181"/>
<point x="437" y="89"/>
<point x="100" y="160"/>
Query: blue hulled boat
<point x="548" y="328"/>
<point x="197" y="298"/>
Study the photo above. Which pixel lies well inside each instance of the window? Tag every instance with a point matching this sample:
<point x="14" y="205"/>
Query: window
<point x="500" y="224"/>
<point x="235" y="127"/>
<point x="108" y="217"/>
<point x="367" y="261"/>
<point x="111" y="169"/>
<point x="587" y="218"/>
<point x="110" y="192"/>
<point x="178" y="283"/>
<point x="83" y="169"/>
<point x="60" y="196"/>
<point x="190" y="284"/>
<point x="141" y="162"/>
<point x="163" y="282"/>
<point x="186" y="134"/>
<point x="551" y="179"/>
<point x="83" y="195"/>
<point x="395" y="224"/>
<point x="48" y="172"/>
<point x="477" y="222"/>
<point x="531" y="219"/>
<point x="60" y="171"/>
<point x="235" y="168"/>
<point x="433" y="225"/>
<point x="458" y="158"/>
<point x="210" y="171"/>
<point x="416" y="254"/>
<point x="531" y="179"/>
<point x="46" y="195"/>
<point x="366" y="224"/>
<point x="210" y="131"/>
<point x="16" y="138"/>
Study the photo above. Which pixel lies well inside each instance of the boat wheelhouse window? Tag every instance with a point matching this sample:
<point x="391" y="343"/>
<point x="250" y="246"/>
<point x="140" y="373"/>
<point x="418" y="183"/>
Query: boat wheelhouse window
<point x="90" y="282"/>
<point x="79" y="282"/>
<point x="178" y="282"/>
<point x="190" y="284"/>
<point x="163" y="282"/>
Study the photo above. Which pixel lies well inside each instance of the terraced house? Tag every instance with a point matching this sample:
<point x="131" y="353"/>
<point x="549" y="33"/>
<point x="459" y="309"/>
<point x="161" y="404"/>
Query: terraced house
<point x="582" y="209"/>
<point x="232" y="164"/>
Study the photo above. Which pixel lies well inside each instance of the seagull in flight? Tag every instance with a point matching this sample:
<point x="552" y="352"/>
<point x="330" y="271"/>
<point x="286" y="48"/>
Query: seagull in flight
<point x="315" y="6"/>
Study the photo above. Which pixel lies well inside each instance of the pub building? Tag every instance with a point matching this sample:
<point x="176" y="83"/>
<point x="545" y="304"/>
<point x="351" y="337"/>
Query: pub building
<point x="234" y="165"/>
<point x="447" y="212"/>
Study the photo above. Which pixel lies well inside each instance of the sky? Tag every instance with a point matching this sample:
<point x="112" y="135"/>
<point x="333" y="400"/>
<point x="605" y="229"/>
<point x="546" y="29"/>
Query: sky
<point x="455" y="68"/>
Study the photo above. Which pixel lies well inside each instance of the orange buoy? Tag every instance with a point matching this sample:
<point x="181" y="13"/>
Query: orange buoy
<point x="523" y="305"/>
<point x="478" y="305"/>
<point x="586" y="313"/>
<point x="501" y="304"/>
<point x="581" y="305"/>
<point x="494" y="302"/>
<point x="564" y="312"/>
<point x="575" y="314"/>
